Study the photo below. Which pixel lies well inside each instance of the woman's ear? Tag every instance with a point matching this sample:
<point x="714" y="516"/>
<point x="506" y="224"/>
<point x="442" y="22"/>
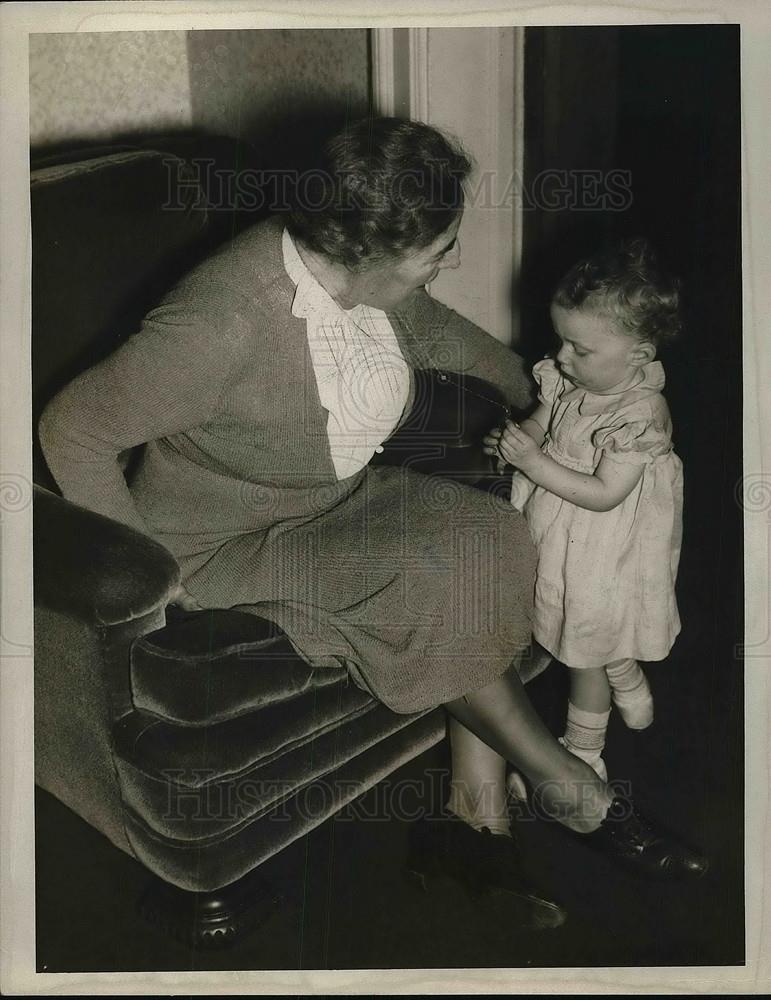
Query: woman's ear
<point x="643" y="352"/>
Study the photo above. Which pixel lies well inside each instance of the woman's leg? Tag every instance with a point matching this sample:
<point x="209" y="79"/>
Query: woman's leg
<point x="476" y="846"/>
<point x="567" y="788"/>
<point x="478" y="789"/>
<point x="501" y="715"/>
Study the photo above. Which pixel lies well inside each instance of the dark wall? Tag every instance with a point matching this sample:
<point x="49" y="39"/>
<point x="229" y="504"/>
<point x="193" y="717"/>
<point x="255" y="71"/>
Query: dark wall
<point x="571" y="109"/>
<point x="660" y="104"/>
<point x="678" y="129"/>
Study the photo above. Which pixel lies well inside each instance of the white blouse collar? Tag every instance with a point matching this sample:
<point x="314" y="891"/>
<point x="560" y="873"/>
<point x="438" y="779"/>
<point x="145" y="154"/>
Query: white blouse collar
<point x="310" y="295"/>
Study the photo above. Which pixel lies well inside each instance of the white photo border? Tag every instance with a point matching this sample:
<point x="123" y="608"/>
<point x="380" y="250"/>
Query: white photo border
<point x="17" y="925"/>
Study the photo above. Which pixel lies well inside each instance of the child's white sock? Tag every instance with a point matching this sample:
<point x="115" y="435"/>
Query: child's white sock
<point x="631" y="693"/>
<point x="585" y="737"/>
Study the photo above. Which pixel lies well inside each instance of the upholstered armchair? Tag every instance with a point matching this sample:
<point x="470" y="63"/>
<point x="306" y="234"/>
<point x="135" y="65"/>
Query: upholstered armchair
<point x="198" y="743"/>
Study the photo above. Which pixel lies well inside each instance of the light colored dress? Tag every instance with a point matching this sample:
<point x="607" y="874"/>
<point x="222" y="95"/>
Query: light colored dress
<point x="605" y="585"/>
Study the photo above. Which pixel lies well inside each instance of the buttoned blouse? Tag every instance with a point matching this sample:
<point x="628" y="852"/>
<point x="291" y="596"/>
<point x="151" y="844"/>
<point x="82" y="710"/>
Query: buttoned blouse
<point x="362" y="378"/>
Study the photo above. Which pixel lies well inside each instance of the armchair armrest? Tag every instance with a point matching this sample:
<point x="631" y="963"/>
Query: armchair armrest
<point x="96" y="569"/>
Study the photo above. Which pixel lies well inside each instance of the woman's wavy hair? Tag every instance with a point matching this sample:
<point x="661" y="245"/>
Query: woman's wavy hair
<point x="625" y="283"/>
<point x="383" y="187"/>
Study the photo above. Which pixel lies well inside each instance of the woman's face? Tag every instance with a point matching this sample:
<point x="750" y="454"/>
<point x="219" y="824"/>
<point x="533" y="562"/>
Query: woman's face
<point x="387" y="284"/>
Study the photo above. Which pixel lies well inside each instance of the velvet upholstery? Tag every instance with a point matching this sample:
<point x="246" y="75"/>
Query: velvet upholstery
<point x="205" y="668"/>
<point x="94" y="568"/>
<point x="214" y="789"/>
<point x="81" y="687"/>
<point x="207" y="864"/>
<point x="199" y="743"/>
<point x="104" y="250"/>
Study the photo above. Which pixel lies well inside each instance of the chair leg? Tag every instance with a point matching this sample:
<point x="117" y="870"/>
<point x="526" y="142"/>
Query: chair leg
<point x="215" y="919"/>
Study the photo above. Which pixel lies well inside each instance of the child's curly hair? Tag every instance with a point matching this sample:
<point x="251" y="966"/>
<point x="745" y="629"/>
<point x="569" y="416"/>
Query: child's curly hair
<point x="625" y="282"/>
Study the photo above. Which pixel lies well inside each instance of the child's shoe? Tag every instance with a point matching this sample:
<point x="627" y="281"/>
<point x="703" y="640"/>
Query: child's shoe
<point x="631" y="693"/>
<point x="637" y="712"/>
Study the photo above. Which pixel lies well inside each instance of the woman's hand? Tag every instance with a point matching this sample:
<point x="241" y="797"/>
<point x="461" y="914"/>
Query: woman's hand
<point x="185" y="600"/>
<point x="518" y="448"/>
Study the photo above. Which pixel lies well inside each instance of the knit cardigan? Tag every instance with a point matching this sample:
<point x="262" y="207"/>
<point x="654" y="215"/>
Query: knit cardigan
<point x="219" y="385"/>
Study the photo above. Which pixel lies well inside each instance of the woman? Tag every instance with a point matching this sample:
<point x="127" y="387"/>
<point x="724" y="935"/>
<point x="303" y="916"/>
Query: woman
<point x="263" y="384"/>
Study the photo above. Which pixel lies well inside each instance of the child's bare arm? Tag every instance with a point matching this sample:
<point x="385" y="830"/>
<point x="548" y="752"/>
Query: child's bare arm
<point x="537" y="423"/>
<point x="535" y="426"/>
<point x="610" y="484"/>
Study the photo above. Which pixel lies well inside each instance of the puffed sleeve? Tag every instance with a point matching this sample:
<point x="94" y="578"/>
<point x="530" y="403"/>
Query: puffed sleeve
<point x="635" y="441"/>
<point x="548" y="380"/>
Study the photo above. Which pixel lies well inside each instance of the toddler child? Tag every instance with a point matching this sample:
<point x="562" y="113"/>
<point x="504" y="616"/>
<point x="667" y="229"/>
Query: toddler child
<point x="601" y="489"/>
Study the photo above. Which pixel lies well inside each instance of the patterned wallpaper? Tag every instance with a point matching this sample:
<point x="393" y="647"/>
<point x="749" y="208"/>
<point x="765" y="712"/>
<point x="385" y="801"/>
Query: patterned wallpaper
<point x="94" y="86"/>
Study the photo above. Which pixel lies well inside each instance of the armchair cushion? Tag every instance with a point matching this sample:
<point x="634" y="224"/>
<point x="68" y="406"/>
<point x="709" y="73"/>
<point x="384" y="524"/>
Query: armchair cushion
<point x="209" y="666"/>
<point x="302" y="789"/>
<point x="211" y="789"/>
<point x="190" y="783"/>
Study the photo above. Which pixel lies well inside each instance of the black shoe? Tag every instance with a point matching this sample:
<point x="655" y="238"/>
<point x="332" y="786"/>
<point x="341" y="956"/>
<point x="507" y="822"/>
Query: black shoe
<point x="482" y="861"/>
<point x="631" y="839"/>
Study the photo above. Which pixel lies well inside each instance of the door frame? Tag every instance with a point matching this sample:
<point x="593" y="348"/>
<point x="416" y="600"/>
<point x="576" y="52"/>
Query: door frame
<point x="414" y="75"/>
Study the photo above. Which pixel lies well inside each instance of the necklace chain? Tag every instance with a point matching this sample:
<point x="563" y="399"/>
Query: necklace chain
<point x="448" y="380"/>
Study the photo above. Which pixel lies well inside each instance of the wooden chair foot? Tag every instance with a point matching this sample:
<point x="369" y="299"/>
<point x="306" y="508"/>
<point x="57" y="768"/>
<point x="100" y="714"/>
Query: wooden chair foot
<point x="207" y="920"/>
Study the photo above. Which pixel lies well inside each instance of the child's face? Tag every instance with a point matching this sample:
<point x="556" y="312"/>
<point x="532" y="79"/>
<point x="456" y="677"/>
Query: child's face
<point x="593" y="354"/>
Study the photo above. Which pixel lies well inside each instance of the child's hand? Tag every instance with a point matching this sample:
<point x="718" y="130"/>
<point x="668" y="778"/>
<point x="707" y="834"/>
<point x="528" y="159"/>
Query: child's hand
<point x="517" y="447"/>
<point x="490" y="447"/>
